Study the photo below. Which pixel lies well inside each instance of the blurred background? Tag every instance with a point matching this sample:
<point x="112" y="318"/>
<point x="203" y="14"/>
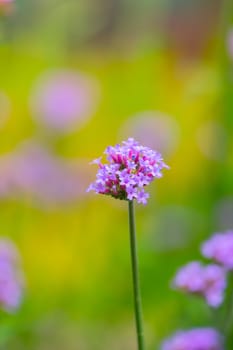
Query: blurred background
<point x="75" y="77"/>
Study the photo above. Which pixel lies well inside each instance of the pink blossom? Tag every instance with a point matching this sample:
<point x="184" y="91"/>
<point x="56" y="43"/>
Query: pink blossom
<point x="208" y="281"/>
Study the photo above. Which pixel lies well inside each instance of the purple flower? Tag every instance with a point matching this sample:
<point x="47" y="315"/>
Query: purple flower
<point x="194" y="339"/>
<point x="11" y="280"/>
<point x="220" y="248"/>
<point x="207" y="281"/>
<point x="64" y="99"/>
<point x="131" y="167"/>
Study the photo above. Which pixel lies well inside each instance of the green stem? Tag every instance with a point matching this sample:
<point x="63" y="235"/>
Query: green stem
<point x="136" y="286"/>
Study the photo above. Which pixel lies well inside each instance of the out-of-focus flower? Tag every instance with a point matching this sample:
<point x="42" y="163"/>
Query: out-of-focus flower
<point x="34" y="172"/>
<point x="45" y="177"/>
<point x="63" y="100"/>
<point x="229" y="43"/>
<point x="11" y="279"/>
<point x="207" y="281"/>
<point x="131" y="167"/>
<point x="159" y="131"/>
<point x="194" y="339"/>
<point x="220" y="248"/>
<point x="6" y="1"/>
<point x="6" y="7"/>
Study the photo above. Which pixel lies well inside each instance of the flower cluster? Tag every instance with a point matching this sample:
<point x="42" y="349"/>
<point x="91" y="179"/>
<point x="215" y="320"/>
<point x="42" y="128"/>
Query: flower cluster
<point x="11" y="281"/>
<point x="194" y="339"/>
<point x="207" y="281"/>
<point x="220" y="248"/>
<point x="131" y="167"/>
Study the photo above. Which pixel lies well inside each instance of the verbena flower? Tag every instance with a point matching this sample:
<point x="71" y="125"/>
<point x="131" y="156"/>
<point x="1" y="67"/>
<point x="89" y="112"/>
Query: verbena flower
<point x="130" y="168"/>
<point x="194" y="339"/>
<point x="11" y="280"/>
<point x="220" y="248"/>
<point x="207" y="281"/>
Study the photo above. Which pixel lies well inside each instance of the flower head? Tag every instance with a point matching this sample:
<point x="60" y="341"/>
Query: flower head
<point x="220" y="248"/>
<point x="130" y="168"/>
<point x="207" y="281"/>
<point x="194" y="339"/>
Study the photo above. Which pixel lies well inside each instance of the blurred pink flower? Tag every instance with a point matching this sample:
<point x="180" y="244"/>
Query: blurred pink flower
<point x="33" y="171"/>
<point x="6" y="7"/>
<point x="194" y="339"/>
<point x="11" y="278"/>
<point x="63" y="100"/>
<point x="219" y="247"/>
<point x="45" y="176"/>
<point x="208" y="281"/>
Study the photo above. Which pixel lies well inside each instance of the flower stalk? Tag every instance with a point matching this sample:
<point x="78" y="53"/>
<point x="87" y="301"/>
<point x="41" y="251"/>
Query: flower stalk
<point x="136" y="283"/>
<point x="129" y="169"/>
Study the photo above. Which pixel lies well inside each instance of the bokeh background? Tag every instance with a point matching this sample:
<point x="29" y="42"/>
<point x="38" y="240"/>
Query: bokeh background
<point x="76" y="76"/>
